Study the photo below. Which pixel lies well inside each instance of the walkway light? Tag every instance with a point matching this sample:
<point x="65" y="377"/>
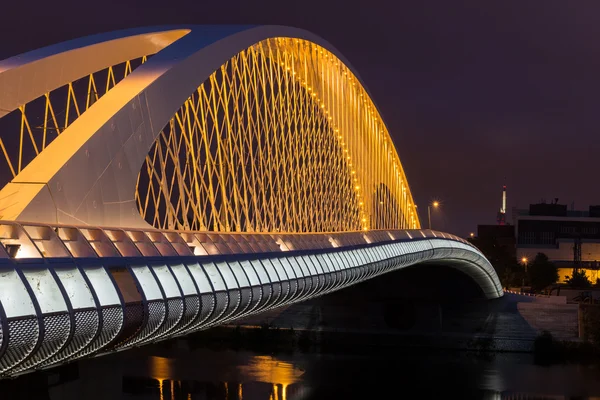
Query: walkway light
<point x="435" y="204"/>
<point x="524" y="260"/>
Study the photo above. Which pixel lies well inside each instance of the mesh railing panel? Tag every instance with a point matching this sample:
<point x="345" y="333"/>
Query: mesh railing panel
<point x="174" y="312"/>
<point x="133" y="320"/>
<point x="57" y="329"/>
<point x="156" y="315"/>
<point x="191" y="314"/>
<point x="22" y="338"/>
<point x="87" y="324"/>
<point x="208" y="308"/>
<point x="112" y="324"/>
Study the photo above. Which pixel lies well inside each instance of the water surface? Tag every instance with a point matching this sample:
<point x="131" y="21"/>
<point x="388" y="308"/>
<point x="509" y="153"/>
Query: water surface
<point x="177" y="372"/>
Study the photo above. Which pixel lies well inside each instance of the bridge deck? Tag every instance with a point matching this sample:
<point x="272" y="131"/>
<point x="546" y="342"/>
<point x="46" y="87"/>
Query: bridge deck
<point x="67" y="292"/>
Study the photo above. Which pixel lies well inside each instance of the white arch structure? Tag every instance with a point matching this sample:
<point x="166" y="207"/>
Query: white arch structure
<point x="99" y="278"/>
<point x="88" y="174"/>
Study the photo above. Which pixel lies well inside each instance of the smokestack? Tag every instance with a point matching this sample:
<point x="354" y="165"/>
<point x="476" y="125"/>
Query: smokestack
<point x="501" y="218"/>
<point x="503" y="209"/>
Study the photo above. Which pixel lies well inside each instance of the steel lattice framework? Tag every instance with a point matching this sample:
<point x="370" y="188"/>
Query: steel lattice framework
<point x="281" y="138"/>
<point x="28" y="130"/>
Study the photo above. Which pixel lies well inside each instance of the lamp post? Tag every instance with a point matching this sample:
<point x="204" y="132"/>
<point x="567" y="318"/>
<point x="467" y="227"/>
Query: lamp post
<point x="524" y="261"/>
<point x="435" y="204"/>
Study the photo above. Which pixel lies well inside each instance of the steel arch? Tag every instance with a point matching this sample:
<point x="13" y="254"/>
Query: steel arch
<point x="88" y="173"/>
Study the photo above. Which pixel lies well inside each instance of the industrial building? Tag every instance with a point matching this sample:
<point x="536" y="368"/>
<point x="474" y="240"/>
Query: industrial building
<point x="568" y="237"/>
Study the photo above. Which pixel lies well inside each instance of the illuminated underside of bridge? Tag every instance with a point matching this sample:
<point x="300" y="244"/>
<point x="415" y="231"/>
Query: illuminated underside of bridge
<point x="159" y="181"/>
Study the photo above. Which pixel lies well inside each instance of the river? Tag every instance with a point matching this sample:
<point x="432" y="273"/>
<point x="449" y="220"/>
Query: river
<point x="176" y="371"/>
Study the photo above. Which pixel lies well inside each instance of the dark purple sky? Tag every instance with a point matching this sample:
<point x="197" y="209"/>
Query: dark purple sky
<point x="472" y="92"/>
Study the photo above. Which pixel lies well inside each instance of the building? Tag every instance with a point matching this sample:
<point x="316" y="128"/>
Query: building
<point x="567" y="237"/>
<point x="499" y="235"/>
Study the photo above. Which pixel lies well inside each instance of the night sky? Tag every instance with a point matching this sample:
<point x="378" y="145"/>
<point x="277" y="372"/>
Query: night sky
<point x="473" y="93"/>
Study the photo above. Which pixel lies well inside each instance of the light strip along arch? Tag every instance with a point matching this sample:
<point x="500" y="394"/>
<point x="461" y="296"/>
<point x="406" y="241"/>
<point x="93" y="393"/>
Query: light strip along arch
<point x="88" y="174"/>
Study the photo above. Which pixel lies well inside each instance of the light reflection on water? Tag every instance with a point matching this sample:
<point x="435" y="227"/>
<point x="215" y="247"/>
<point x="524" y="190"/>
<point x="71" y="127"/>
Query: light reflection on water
<point x="229" y="375"/>
<point x="492" y="381"/>
<point x="269" y="371"/>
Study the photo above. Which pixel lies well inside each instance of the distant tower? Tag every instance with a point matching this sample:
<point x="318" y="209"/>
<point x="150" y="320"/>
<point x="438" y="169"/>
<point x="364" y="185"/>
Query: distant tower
<point x="501" y="218"/>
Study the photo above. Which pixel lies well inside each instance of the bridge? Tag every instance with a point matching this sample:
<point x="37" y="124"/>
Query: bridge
<point x="159" y="181"/>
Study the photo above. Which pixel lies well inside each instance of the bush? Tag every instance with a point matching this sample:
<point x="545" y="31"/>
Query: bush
<point x="545" y="349"/>
<point x="579" y="280"/>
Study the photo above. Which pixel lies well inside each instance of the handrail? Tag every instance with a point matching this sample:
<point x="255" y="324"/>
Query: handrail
<point x="22" y="240"/>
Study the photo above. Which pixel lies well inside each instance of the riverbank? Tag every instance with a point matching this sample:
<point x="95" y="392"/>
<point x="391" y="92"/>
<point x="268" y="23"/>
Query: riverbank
<point x="547" y="350"/>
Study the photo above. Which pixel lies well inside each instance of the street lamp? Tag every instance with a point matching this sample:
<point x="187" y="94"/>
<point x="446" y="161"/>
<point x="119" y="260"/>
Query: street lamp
<point x="472" y="235"/>
<point x="524" y="260"/>
<point x="435" y="204"/>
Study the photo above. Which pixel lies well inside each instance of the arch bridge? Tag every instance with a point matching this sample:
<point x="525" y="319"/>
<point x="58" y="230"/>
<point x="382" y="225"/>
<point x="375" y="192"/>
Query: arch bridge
<point x="159" y="181"/>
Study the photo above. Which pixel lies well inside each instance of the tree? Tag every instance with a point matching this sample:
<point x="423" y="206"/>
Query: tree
<point x="512" y="275"/>
<point x="579" y="280"/>
<point x="507" y="268"/>
<point x="542" y="272"/>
